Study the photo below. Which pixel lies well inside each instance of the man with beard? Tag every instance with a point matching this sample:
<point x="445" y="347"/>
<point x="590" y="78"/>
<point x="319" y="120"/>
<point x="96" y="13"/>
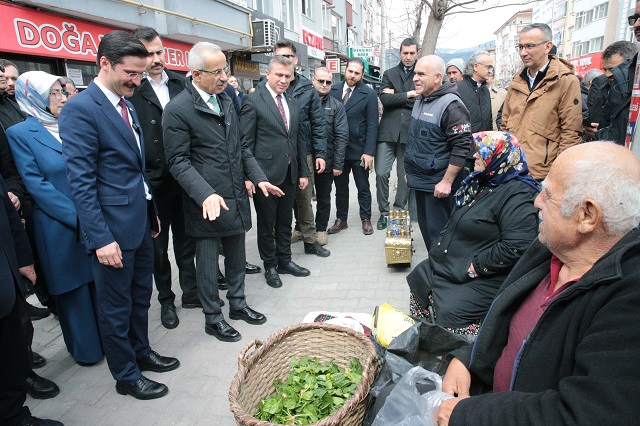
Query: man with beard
<point x="454" y="70"/>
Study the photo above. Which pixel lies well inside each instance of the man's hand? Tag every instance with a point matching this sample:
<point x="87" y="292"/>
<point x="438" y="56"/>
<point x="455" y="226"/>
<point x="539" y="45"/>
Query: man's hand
<point x="251" y="189"/>
<point x="457" y="379"/>
<point x="411" y="94"/>
<point x="29" y="272"/>
<point x="110" y="255"/>
<point x="337" y="172"/>
<point x="154" y="234"/>
<point x="267" y="189"/>
<point x="303" y="182"/>
<point x="211" y="207"/>
<point x="14" y="199"/>
<point x="591" y="130"/>
<point x="388" y="91"/>
<point x="367" y="160"/>
<point x="320" y="165"/>
<point x="444" y="411"/>
<point x="442" y="189"/>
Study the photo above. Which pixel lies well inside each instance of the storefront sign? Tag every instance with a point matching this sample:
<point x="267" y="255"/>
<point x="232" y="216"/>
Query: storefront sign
<point x="360" y="52"/>
<point x="333" y="65"/>
<point x="582" y="64"/>
<point x="31" y="32"/>
<point x="247" y="69"/>
<point x="314" y="43"/>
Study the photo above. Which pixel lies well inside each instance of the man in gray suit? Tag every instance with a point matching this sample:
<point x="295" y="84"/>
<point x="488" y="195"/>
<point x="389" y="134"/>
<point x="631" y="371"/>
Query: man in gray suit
<point x="270" y="121"/>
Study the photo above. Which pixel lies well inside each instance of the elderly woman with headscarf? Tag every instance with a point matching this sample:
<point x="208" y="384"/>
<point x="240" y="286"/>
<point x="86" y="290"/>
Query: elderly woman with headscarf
<point x="493" y="223"/>
<point x="37" y="152"/>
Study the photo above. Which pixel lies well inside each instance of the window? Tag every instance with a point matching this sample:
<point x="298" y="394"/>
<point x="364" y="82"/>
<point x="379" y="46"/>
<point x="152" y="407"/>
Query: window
<point x="306" y="8"/>
<point x="336" y="27"/>
<point x="596" y="44"/>
<point x="263" y="6"/>
<point x="600" y="11"/>
<point x="588" y="17"/>
<point x="287" y="14"/>
<point x="561" y="10"/>
<point x="326" y="17"/>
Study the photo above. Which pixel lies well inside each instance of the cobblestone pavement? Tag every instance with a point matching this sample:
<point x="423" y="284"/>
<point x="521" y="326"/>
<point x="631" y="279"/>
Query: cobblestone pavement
<point x="355" y="278"/>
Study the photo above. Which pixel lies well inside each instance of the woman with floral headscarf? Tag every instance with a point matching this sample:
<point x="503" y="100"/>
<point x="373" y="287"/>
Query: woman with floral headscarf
<point x="493" y="223"/>
<point x="37" y="152"/>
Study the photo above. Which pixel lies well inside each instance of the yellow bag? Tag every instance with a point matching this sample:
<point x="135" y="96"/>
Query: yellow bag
<point x="388" y="323"/>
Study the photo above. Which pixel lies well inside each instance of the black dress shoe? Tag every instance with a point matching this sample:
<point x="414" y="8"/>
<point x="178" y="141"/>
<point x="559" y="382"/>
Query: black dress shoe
<point x="168" y="316"/>
<point x="142" y="388"/>
<point x="39" y="387"/>
<point x="247" y="314"/>
<point x="291" y="268"/>
<point x="273" y="279"/>
<point x="153" y="361"/>
<point x="38" y="360"/>
<point x="34" y="421"/>
<point x="36" y="313"/>
<point x="252" y="269"/>
<point x="191" y="303"/>
<point x="222" y="281"/>
<point x="222" y="331"/>
<point x="382" y="222"/>
<point x="317" y="249"/>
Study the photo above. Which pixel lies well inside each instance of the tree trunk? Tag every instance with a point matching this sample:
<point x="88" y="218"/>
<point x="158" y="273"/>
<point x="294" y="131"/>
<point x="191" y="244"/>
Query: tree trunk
<point x="431" y="34"/>
<point x="418" y="13"/>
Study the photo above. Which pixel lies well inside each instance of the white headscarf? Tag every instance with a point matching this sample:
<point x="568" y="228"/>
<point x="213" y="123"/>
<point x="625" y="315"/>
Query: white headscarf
<point x="32" y="94"/>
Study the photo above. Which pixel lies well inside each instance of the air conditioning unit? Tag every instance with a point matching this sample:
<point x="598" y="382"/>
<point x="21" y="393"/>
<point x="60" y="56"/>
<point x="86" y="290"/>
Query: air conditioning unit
<point x="264" y="33"/>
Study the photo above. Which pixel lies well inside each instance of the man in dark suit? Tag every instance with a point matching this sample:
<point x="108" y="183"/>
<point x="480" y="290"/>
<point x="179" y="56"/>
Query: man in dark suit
<point x="397" y="97"/>
<point x="16" y="261"/>
<point x="361" y="105"/>
<point x="104" y="154"/>
<point x="270" y="120"/>
<point x="149" y="99"/>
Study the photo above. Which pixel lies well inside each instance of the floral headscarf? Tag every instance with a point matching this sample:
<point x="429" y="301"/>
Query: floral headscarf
<point x="504" y="161"/>
<point x="32" y="94"/>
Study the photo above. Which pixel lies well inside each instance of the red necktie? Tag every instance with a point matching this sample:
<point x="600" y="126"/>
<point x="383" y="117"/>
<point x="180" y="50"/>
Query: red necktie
<point x="282" y="113"/>
<point x="125" y="113"/>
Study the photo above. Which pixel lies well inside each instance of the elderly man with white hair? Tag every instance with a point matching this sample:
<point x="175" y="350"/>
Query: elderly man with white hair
<point x="561" y="342"/>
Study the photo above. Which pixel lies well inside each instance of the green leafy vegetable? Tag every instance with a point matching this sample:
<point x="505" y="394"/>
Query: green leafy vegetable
<point x="311" y="391"/>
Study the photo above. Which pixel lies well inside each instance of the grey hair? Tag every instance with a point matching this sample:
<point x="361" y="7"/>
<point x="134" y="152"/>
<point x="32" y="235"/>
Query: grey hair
<point x="198" y="54"/>
<point x="590" y="75"/>
<point x="278" y="59"/>
<point x="468" y="68"/>
<point x="546" y="30"/>
<point x="611" y="186"/>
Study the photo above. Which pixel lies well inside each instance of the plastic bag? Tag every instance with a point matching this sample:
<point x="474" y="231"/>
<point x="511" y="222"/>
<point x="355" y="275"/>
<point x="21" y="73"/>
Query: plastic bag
<point x="413" y="401"/>
<point x="388" y="323"/>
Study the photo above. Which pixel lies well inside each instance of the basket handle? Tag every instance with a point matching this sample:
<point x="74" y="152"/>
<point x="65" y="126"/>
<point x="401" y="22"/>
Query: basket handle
<point x="242" y="356"/>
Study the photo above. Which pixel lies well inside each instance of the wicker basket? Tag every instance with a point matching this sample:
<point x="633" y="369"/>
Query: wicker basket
<point x="271" y="360"/>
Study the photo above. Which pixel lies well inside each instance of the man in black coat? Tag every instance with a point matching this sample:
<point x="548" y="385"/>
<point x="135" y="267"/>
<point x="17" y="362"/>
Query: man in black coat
<point x="16" y="262"/>
<point x="474" y="92"/>
<point x="202" y="145"/>
<point x="150" y="99"/>
<point x="397" y="95"/>
<point x="270" y="128"/>
<point x="361" y="105"/>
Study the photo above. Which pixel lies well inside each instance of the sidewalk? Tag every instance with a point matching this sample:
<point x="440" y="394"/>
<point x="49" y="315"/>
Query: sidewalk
<point x="355" y="278"/>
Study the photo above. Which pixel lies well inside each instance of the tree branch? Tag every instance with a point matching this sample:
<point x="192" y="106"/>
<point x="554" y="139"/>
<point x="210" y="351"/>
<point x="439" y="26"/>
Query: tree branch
<point x="492" y="7"/>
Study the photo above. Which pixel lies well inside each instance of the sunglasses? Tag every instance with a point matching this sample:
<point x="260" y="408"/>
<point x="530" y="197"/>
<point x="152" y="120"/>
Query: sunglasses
<point x="633" y="19"/>
<point x="323" y="82"/>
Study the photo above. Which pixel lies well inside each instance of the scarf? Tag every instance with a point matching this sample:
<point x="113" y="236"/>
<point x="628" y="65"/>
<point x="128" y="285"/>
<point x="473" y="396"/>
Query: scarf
<point x="32" y="94"/>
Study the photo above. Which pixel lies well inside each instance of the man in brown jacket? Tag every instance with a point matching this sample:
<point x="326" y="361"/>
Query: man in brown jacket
<point x="543" y="105"/>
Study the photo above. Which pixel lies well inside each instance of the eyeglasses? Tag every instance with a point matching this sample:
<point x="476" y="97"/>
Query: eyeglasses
<point x="633" y="19"/>
<point x="489" y="67"/>
<point x="133" y="75"/>
<point x="217" y="72"/>
<point x="529" y="46"/>
<point x="323" y="82"/>
<point x="59" y="94"/>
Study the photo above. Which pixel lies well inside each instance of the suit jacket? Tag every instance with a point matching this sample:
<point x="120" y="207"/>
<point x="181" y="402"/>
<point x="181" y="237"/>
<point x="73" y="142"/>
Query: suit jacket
<point x="397" y="108"/>
<point x="15" y="251"/>
<point x="149" y="112"/>
<point x="105" y="169"/>
<point x="264" y="132"/>
<point x="362" y="115"/>
<point x="38" y="156"/>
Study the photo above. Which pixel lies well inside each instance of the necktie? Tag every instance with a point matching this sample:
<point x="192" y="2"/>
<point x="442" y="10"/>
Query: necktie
<point x="216" y="106"/>
<point x="282" y="113"/>
<point x="125" y="113"/>
<point x="346" y="95"/>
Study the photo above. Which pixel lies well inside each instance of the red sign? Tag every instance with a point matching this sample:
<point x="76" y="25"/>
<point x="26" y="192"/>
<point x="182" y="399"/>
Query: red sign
<point x="312" y="39"/>
<point x="333" y="65"/>
<point x="582" y="64"/>
<point x="31" y="32"/>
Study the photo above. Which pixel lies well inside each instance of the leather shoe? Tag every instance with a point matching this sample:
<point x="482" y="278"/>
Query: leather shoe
<point x="168" y="316"/>
<point x="191" y="303"/>
<point x="39" y="387"/>
<point x="34" y="421"/>
<point x="367" y="229"/>
<point x="153" y="361"/>
<point x="36" y="313"/>
<point x="273" y="279"/>
<point x="143" y="388"/>
<point x="222" y="331"/>
<point x="38" y="360"/>
<point x="247" y="314"/>
<point x="291" y="268"/>
<point x="252" y="269"/>
<point x="317" y="249"/>
<point x="338" y="226"/>
<point x="382" y="222"/>
<point x="222" y="281"/>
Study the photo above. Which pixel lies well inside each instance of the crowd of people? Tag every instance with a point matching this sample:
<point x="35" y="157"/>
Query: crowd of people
<point x="530" y="252"/>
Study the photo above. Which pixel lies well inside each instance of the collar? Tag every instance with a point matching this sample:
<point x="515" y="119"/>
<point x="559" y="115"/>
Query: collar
<point x="273" y="92"/>
<point x="112" y="97"/>
<point x="165" y="80"/>
<point x="205" y="96"/>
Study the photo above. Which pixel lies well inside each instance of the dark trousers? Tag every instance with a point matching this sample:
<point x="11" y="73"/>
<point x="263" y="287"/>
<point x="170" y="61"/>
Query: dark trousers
<point x="274" y="216"/>
<point x="207" y="252"/>
<point x="386" y="154"/>
<point x="40" y="288"/>
<point x="124" y="297"/>
<point x="324" y="184"/>
<point x="171" y="215"/>
<point x="14" y="365"/>
<point x="361" y="178"/>
<point x="433" y="215"/>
